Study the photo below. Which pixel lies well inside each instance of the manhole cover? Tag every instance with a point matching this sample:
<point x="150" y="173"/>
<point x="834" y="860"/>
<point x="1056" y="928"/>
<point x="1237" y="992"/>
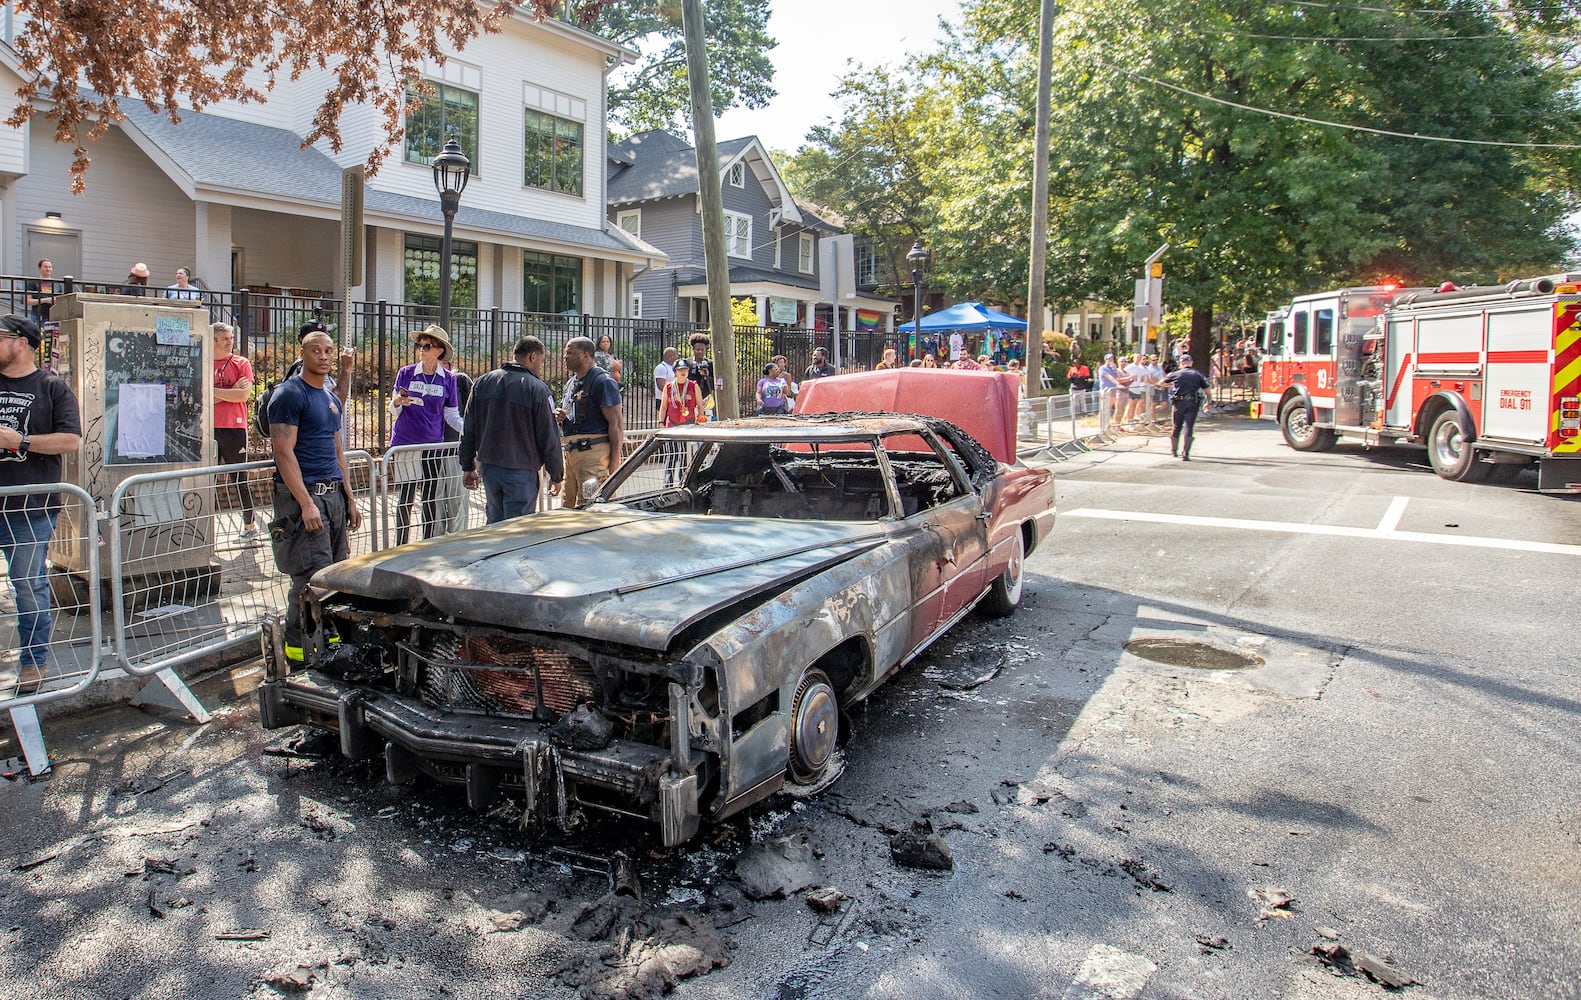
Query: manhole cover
<point x="1191" y="653"/>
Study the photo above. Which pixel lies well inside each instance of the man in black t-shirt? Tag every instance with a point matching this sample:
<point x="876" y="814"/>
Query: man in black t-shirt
<point x="702" y="370"/>
<point x="820" y="367"/>
<point x="39" y="423"/>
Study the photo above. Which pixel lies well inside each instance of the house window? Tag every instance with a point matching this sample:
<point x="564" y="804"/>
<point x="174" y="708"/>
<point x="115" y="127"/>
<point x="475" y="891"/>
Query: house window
<point x="738" y="234"/>
<point x="630" y="221"/>
<point x="551" y="284"/>
<point x="552" y="155"/>
<point x="867" y="266"/>
<point x="804" y="253"/>
<point x="636" y="305"/>
<point x="421" y="259"/>
<point x="738" y="174"/>
<point x="448" y="112"/>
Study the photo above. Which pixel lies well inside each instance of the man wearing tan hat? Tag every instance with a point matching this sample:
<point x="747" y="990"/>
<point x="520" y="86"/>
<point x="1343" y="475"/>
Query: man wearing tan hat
<point x="424" y="401"/>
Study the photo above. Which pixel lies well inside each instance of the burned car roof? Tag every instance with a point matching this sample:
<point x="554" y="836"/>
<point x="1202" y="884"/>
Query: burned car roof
<point x="804" y="427"/>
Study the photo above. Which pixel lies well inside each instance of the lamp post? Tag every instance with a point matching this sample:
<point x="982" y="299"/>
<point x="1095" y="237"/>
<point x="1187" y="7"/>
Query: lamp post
<point x="452" y="169"/>
<point x="919" y="259"/>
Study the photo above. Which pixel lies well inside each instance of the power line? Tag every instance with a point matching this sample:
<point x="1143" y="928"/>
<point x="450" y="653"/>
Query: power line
<point x="1436" y="11"/>
<point x="1362" y="38"/>
<point x="1342" y="125"/>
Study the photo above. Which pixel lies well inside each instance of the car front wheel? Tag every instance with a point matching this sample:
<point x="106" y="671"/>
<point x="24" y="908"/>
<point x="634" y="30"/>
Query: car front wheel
<point x="814" y="728"/>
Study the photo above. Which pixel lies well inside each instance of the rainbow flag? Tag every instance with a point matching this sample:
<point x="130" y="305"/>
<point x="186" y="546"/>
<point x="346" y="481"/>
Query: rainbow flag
<point x="867" y="319"/>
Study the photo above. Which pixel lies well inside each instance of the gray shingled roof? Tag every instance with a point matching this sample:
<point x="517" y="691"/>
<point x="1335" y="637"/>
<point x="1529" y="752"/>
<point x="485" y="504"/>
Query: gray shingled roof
<point x="217" y="152"/>
<point x="743" y="274"/>
<point x="662" y="165"/>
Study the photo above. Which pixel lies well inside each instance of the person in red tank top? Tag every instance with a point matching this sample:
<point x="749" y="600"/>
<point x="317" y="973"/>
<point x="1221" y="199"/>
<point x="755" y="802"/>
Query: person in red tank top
<point x="681" y="403"/>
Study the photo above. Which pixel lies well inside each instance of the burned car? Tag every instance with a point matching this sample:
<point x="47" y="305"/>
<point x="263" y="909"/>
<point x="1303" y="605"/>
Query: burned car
<point x="672" y="652"/>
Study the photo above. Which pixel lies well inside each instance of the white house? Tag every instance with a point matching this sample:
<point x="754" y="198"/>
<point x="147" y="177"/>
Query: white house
<point x="229" y="194"/>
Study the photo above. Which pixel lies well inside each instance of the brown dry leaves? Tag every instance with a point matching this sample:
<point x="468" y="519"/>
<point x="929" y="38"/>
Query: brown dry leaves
<point x="80" y="58"/>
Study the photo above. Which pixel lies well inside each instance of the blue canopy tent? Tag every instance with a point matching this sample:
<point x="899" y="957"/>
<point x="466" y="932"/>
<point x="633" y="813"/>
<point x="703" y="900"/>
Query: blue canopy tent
<point x="964" y="316"/>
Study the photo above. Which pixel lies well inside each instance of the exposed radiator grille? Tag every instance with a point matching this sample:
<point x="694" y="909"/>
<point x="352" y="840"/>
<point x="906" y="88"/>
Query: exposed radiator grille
<point x="453" y="677"/>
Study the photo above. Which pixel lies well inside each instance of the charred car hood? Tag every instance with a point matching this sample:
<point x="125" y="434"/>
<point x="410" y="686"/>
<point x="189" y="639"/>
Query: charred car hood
<point x="613" y="574"/>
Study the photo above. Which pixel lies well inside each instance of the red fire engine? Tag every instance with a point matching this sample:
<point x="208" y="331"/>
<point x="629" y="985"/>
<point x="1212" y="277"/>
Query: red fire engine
<point x="1488" y="378"/>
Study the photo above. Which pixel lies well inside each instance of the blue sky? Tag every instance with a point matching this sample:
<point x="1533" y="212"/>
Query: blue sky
<point x="816" y="38"/>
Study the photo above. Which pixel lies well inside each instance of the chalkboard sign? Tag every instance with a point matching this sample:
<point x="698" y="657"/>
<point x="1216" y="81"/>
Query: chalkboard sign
<point x="153" y="394"/>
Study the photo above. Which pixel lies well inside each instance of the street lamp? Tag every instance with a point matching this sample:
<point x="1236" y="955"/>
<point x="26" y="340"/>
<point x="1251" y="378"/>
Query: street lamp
<point x="919" y="259"/>
<point x="452" y="169"/>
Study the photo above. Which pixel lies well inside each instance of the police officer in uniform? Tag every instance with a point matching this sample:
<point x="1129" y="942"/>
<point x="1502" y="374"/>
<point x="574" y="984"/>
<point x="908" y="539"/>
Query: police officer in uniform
<point x="1186" y="386"/>
<point x="590" y="423"/>
<point x="313" y="506"/>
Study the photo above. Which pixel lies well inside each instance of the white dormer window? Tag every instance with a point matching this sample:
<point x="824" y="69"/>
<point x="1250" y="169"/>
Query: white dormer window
<point x="630" y="221"/>
<point x="804" y="250"/>
<point x="738" y="174"/>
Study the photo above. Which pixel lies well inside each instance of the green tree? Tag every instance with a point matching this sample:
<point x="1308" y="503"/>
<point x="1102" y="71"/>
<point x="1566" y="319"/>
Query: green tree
<point x="1257" y="206"/>
<point x="1254" y="206"/>
<point x="867" y="168"/>
<point x="654" y="94"/>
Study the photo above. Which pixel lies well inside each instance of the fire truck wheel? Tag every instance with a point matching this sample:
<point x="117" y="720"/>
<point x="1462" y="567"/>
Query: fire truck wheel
<point x="1300" y="432"/>
<point x="1450" y="454"/>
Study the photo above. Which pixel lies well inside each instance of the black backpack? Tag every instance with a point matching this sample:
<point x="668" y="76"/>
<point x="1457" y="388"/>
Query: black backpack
<point x="261" y="404"/>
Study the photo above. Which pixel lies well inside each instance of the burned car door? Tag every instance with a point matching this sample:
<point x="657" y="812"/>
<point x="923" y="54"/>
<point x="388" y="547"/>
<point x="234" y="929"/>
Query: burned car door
<point x="949" y="542"/>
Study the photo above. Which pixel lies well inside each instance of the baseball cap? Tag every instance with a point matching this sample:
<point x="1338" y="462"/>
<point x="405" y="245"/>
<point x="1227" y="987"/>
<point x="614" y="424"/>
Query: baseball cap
<point x="23" y="327"/>
<point x="312" y="326"/>
<point x="1185" y="359"/>
<point x="1108" y="357"/>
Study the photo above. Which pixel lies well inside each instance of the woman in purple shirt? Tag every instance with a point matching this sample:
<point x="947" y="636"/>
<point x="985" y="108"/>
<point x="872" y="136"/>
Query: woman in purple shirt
<point x="424" y="401"/>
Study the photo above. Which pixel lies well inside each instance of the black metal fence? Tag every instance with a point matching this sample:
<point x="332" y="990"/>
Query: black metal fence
<point x="268" y="324"/>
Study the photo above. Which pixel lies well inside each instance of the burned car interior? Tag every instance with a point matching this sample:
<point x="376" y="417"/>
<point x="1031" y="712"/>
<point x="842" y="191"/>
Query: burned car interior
<point x="860" y="479"/>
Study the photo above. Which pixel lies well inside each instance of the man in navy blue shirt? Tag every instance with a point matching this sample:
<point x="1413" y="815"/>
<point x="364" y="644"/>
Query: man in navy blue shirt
<point x="590" y="423"/>
<point x="313" y="505"/>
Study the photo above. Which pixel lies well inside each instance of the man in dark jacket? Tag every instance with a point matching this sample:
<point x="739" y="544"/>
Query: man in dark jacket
<point x="1186" y="388"/>
<point x="510" y="435"/>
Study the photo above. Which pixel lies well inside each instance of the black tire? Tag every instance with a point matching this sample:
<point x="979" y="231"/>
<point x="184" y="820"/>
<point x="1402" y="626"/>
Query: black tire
<point x="1299" y="430"/>
<point x="1450" y="452"/>
<point x="814" y="728"/>
<point x="1005" y="592"/>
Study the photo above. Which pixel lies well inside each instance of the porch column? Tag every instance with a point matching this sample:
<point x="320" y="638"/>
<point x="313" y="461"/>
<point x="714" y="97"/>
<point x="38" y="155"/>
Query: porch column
<point x="763" y="310"/>
<point x="212" y="245"/>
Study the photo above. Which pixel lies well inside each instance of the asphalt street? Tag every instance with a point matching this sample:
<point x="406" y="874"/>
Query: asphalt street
<point x="1389" y="787"/>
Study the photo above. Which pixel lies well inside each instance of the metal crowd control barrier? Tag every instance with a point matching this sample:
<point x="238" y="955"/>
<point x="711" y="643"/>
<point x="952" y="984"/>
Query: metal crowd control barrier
<point x="72" y="649"/>
<point x="187" y="580"/>
<point x="433" y="474"/>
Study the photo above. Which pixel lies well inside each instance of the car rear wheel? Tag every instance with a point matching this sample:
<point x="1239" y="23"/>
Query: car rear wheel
<point x="1299" y="430"/>
<point x="814" y="728"/>
<point x="1005" y="593"/>
<point x="1450" y="452"/>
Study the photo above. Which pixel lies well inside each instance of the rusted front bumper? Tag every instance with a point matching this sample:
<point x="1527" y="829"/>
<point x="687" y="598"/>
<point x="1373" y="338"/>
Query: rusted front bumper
<point x="489" y="755"/>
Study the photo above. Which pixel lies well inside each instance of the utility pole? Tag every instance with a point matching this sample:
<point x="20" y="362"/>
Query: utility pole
<point x="1038" y="271"/>
<point x="727" y="398"/>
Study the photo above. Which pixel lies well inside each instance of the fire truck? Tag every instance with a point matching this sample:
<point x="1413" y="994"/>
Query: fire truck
<point x="1488" y="378"/>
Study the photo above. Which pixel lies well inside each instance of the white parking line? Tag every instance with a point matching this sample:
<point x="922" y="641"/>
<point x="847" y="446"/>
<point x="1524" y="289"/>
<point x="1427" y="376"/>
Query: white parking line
<point x="1296" y="528"/>
<point x="1391" y="517"/>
